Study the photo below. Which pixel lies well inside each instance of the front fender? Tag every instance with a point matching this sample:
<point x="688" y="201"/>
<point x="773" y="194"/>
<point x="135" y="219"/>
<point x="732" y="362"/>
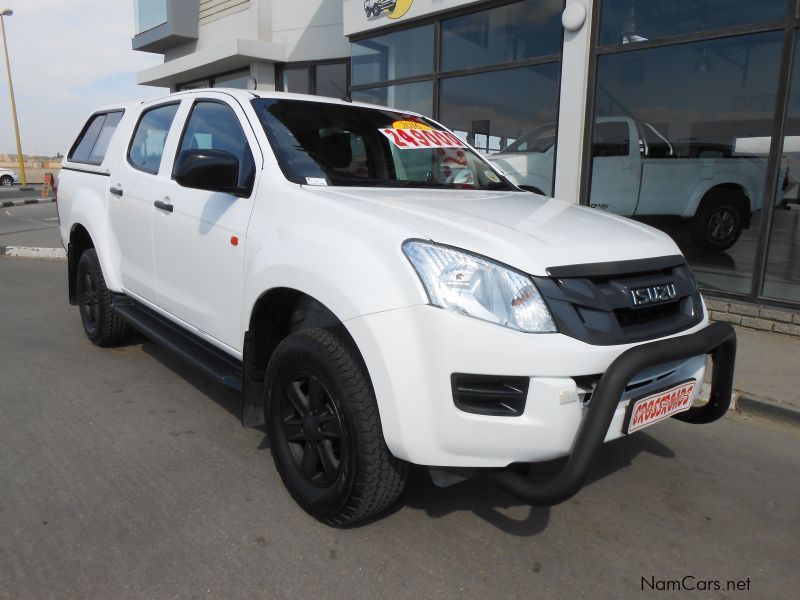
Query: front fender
<point x="351" y="263"/>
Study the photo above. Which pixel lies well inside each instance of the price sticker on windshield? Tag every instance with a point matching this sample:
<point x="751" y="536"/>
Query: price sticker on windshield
<point x="411" y="135"/>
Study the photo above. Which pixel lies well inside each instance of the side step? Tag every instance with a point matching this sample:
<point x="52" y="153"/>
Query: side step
<point x="197" y="352"/>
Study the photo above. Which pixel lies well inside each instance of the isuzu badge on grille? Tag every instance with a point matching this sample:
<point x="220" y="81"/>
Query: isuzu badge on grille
<point x="654" y="294"/>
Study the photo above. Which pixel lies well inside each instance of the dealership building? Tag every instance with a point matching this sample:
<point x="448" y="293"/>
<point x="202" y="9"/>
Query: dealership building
<point x="681" y="113"/>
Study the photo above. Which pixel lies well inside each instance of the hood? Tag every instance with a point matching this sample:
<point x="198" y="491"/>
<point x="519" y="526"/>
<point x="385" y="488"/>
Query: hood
<point x="523" y="230"/>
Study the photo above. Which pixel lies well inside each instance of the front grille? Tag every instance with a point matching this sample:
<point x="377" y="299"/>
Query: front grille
<point x="595" y="305"/>
<point x="628" y="317"/>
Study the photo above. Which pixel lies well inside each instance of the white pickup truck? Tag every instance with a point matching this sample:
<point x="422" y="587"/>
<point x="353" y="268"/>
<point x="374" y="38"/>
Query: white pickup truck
<point x="637" y="172"/>
<point x="379" y="294"/>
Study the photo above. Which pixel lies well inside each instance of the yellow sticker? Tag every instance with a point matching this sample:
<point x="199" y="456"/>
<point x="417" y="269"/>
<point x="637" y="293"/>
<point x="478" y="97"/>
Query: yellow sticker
<point x="411" y="125"/>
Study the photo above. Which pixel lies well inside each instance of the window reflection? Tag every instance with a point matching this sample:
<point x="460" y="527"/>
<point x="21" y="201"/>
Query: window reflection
<point x="331" y="80"/>
<point x="782" y="278"/>
<point x="295" y="80"/>
<point x="416" y="97"/>
<point x="631" y="21"/>
<point x="237" y="79"/>
<point x="508" y="33"/>
<point x="396" y="55"/>
<point x="510" y="114"/>
<point x="681" y="141"/>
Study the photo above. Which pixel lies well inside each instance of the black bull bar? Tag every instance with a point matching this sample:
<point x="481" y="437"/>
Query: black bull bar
<point x="718" y="340"/>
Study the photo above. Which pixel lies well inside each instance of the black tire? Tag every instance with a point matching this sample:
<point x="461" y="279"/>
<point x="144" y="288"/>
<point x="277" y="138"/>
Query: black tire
<point x="376" y="10"/>
<point x="6" y="181"/>
<point x="325" y="430"/>
<point x="718" y="223"/>
<point x="100" y="323"/>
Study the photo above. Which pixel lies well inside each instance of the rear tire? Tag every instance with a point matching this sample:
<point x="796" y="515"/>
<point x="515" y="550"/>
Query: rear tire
<point x="325" y="430"/>
<point x="718" y="223"/>
<point x="6" y="181"/>
<point x="100" y="324"/>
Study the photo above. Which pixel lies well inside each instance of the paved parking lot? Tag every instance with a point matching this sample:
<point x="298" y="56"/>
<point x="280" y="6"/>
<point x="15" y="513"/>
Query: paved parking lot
<point x="125" y="474"/>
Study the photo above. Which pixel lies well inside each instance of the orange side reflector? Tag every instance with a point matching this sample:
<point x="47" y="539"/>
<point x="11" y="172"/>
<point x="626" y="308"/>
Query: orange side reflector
<point x="234" y="240"/>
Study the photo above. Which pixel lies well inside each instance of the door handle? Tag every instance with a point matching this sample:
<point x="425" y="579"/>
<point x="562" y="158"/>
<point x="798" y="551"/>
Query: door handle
<point x="116" y="191"/>
<point x="163" y="205"/>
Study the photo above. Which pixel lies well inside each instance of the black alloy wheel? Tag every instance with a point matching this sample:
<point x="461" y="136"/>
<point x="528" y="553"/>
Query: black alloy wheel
<point x="87" y="300"/>
<point x="313" y="429"/>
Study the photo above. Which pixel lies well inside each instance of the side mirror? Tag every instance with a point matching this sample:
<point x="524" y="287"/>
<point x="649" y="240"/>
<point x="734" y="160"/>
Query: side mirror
<point x="212" y="170"/>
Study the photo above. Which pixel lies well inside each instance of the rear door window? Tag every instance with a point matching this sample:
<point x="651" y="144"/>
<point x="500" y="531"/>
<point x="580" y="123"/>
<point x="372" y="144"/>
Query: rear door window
<point x="92" y="143"/>
<point x="147" y="145"/>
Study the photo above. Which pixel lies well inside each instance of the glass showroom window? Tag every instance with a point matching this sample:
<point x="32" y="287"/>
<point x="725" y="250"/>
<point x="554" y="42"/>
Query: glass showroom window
<point x="513" y="110"/>
<point x="321" y="79"/>
<point x="149" y="14"/>
<point x="782" y="277"/>
<point x="416" y="97"/>
<point x="397" y="55"/>
<point x="496" y="81"/>
<point x="631" y="21"/>
<point x="681" y="140"/>
<point x="508" y="33"/>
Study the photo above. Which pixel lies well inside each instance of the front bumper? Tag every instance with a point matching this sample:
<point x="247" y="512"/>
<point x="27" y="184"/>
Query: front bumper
<point x="411" y="353"/>
<point x="718" y="339"/>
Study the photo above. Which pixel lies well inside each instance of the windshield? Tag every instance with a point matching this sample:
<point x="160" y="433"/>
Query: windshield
<point x="329" y="144"/>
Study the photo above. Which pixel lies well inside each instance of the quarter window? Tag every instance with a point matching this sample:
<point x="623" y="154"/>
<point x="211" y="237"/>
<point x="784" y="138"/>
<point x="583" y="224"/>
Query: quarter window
<point x="92" y="143"/>
<point x="147" y="146"/>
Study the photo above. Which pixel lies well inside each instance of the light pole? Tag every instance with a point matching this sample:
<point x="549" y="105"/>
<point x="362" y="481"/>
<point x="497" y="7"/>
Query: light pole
<point x="7" y="12"/>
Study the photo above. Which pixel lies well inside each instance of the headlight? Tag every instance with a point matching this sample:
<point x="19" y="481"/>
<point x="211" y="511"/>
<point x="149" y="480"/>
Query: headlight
<point x="478" y="287"/>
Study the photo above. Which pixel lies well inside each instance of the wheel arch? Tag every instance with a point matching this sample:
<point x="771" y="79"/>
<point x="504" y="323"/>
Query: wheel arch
<point x="80" y="240"/>
<point x="276" y="314"/>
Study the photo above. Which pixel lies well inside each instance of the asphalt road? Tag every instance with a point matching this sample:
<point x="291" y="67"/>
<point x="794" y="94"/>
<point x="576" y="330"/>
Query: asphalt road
<point x="33" y="225"/>
<point x="124" y="474"/>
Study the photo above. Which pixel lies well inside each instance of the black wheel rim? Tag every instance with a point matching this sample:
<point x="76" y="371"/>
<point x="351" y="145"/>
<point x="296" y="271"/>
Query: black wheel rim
<point x="721" y="225"/>
<point x="88" y="300"/>
<point x="312" y="429"/>
<point x="7" y="182"/>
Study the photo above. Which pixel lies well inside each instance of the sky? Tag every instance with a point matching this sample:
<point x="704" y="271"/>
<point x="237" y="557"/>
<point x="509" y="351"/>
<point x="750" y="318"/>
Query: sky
<point x="67" y="58"/>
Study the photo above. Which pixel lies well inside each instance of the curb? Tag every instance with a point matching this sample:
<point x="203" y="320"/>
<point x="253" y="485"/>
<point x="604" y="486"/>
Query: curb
<point x="24" y="201"/>
<point x="768" y="409"/>
<point x="44" y="253"/>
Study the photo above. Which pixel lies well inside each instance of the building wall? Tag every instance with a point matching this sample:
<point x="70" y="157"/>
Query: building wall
<point x="310" y="29"/>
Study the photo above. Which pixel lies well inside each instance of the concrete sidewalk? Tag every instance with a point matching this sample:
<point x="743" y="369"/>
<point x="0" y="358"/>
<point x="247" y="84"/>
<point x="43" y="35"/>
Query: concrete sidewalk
<point x="767" y="380"/>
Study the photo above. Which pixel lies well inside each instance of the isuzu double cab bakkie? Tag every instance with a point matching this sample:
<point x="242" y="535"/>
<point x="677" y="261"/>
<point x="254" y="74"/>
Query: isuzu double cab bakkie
<point x="380" y="294"/>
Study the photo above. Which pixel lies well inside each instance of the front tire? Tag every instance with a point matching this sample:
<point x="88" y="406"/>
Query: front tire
<point x="100" y="324"/>
<point x="6" y="181"/>
<point x="325" y="430"/>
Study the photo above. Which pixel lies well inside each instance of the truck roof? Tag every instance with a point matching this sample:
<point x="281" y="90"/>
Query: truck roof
<point x="248" y="95"/>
